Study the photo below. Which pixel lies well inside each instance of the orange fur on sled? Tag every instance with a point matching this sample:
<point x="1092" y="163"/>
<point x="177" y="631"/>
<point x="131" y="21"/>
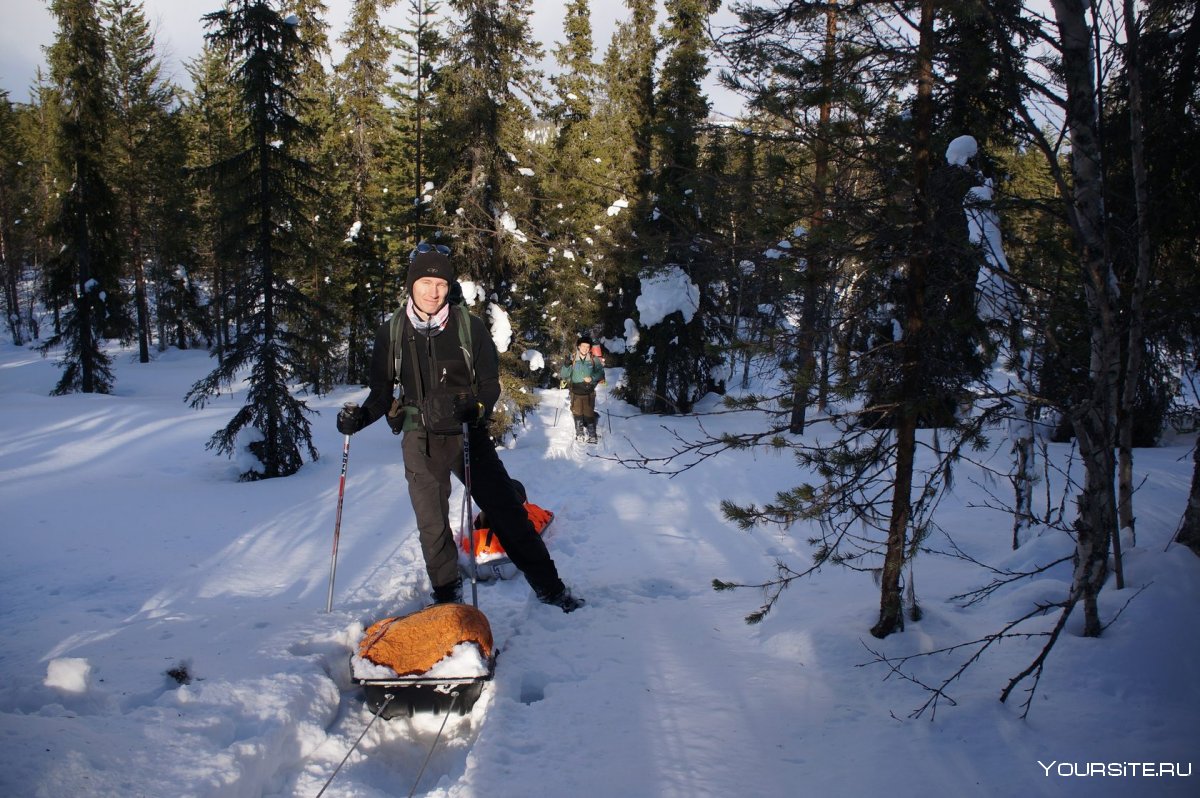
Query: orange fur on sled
<point x="412" y="644"/>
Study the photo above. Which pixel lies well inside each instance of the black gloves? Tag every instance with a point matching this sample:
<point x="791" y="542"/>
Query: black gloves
<point x="350" y="419"/>
<point x="445" y="413"/>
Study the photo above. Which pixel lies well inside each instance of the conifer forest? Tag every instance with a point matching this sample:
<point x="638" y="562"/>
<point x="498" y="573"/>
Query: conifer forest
<point x="927" y="215"/>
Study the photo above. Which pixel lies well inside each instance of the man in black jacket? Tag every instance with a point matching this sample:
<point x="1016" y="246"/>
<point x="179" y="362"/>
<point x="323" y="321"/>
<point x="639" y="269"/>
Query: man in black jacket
<point x="446" y="364"/>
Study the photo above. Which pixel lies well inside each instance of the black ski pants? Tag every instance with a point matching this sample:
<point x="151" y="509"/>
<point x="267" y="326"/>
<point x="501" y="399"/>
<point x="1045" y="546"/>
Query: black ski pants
<point x="429" y="460"/>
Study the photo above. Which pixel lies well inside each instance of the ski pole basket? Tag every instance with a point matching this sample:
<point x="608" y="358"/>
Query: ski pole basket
<point x="434" y="660"/>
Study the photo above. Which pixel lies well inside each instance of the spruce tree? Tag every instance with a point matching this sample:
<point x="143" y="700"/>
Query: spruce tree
<point x="365" y="280"/>
<point x="752" y="215"/>
<point x="624" y="122"/>
<point x="482" y="114"/>
<point x="810" y="81"/>
<point x="12" y="195"/>
<point x="315" y="269"/>
<point x="85" y="272"/>
<point x="676" y="355"/>
<point x="484" y="204"/>
<point x="1168" y="228"/>
<point x="1171" y="69"/>
<point x="142" y="101"/>
<point x="40" y="135"/>
<point x="627" y="103"/>
<point x="579" y="186"/>
<point x="212" y="122"/>
<point x="410" y="195"/>
<point x="575" y="85"/>
<point x="269" y="190"/>
<point x="173" y="223"/>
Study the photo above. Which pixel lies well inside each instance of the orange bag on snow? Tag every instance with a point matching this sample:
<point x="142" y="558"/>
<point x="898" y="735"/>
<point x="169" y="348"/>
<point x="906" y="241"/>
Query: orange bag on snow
<point x="491" y="561"/>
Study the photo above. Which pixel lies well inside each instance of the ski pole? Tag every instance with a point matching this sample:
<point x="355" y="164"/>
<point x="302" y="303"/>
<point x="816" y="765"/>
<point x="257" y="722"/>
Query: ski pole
<point x="337" y="524"/>
<point x="468" y="527"/>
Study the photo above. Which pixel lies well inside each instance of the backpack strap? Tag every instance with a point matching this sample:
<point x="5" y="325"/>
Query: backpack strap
<point x="397" y="333"/>
<point x="464" y="341"/>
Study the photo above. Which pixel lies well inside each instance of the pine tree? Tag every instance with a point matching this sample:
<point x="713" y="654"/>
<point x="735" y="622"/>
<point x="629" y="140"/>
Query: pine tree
<point x="268" y="219"/>
<point x="86" y="271"/>
<point x="887" y="233"/>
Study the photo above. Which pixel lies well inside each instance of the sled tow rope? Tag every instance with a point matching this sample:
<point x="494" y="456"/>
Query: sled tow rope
<point x="446" y="717"/>
<point x="388" y="699"/>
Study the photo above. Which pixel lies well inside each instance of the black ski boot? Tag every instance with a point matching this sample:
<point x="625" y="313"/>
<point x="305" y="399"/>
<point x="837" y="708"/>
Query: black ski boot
<point x="591" y="432"/>
<point x="579" y="428"/>
<point x="563" y="599"/>
<point x="448" y="594"/>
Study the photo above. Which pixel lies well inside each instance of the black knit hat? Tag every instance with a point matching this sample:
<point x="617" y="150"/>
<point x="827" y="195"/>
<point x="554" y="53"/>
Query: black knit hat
<point x="583" y="339"/>
<point x="429" y="264"/>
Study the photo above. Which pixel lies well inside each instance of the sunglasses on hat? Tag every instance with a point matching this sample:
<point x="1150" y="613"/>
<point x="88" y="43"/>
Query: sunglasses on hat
<point x="425" y="246"/>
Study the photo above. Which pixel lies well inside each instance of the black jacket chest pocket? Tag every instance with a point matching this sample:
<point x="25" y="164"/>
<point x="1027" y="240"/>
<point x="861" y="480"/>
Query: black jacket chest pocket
<point x="452" y="376"/>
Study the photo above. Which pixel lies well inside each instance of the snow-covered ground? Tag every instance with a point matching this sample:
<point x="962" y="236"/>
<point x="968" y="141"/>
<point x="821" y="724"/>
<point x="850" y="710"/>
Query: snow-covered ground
<point x="130" y="551"/>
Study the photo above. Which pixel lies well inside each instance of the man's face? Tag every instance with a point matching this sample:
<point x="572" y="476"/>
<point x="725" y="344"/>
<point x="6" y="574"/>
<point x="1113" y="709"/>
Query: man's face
<point x="429" y="294"/>
<point x="584" y="348"/>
